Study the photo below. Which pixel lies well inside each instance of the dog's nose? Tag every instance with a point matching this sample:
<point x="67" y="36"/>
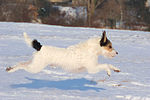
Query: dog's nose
<point x="116" y="52"/>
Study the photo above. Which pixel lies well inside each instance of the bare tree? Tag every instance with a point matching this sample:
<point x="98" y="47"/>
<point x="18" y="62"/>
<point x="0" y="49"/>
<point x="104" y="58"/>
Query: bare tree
<point x="15" y="10"/>
<point x="91" y="7"/>
<point x="109" y="13"/>
<point x="121" y="12"/>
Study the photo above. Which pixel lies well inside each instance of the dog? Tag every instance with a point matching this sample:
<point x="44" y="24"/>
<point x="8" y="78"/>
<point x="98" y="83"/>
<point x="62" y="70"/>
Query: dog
<point x="76" y="58"/>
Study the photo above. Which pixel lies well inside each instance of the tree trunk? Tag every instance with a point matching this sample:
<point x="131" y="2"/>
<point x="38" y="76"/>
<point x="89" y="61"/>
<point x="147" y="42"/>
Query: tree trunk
<point x="121" y="13"/>
<point x="91" y="6"/>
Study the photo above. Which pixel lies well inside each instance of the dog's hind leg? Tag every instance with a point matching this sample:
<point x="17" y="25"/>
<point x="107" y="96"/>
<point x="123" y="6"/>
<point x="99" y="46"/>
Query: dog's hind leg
<point x="32" y="67"/>
<point x="21" y="65"/>
<point x="35" y="65"/>
<point x="114" y="68"/>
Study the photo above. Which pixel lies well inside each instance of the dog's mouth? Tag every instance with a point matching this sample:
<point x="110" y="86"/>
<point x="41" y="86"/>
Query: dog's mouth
<point x="111" y="55"/>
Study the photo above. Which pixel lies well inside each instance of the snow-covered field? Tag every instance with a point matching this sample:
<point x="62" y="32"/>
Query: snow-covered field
<point x="132" y="83"/>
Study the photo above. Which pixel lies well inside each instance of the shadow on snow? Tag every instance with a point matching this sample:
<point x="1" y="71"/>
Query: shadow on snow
<point x="70" y="84"/>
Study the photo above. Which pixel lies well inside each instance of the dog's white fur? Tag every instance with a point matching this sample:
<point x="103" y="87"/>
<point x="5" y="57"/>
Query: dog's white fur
<point x="76" y="58"/>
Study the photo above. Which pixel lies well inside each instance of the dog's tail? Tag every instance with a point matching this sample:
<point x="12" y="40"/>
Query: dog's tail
<point x="34" y="43"/>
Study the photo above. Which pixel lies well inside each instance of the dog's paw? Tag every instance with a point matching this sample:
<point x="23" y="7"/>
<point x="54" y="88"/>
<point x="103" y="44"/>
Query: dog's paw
<point x="117" y="70"/>
<point x="109" y="73"/>
<point x="8" y="69"/>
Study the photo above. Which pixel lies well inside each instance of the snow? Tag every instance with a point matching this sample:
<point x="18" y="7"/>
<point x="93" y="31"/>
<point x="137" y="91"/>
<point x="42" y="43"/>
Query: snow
<point x="148" y="3"/>
<point x="132" y="83"/>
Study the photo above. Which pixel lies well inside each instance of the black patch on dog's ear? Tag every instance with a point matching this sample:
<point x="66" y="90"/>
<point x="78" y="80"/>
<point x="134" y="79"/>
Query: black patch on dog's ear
<point x="104" y="41"/>
<point x="36" y="45"/>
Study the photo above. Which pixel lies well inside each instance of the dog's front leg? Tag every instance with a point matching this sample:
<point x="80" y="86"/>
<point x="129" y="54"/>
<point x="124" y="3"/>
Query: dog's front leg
<point x="99" y="67"/>
<point x="106" y="68"/>
<point x="114" y="68"/>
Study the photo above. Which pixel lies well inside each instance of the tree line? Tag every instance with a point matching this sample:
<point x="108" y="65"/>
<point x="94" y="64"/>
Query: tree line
<point x="123" y="14"/>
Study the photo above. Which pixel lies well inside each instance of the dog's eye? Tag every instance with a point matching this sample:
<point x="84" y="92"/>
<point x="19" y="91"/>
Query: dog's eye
<point x="110" y="47"/>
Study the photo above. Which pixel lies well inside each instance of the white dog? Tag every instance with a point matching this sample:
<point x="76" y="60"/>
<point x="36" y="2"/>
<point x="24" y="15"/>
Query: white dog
<point x="76" y="58"/>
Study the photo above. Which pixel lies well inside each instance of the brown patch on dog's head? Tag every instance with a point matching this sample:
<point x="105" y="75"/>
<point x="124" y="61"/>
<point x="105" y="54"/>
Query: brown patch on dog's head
<point x="108" y="47"/>
<point x="105" y="43"/>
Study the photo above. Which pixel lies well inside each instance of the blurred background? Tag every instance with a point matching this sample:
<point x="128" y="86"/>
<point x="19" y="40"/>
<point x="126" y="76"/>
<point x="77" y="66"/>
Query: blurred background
<point x="114" y="14"/>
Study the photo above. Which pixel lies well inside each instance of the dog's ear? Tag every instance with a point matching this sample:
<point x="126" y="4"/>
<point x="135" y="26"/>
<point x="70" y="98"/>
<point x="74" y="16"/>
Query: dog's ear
<point x="104" y="41"/>
<point x="104" y="37"/>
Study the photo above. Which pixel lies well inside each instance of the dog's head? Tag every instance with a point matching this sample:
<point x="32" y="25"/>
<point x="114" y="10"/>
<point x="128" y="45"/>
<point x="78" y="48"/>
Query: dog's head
<point x="108" y="50"/>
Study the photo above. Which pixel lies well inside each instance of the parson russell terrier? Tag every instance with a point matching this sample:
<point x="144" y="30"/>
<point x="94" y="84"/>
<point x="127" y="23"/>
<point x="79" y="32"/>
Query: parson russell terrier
<point x="76" y="58"/>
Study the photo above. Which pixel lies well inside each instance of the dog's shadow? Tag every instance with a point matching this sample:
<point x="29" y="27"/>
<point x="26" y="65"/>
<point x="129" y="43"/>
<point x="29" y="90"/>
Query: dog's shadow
<point x="70" y="84"/>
